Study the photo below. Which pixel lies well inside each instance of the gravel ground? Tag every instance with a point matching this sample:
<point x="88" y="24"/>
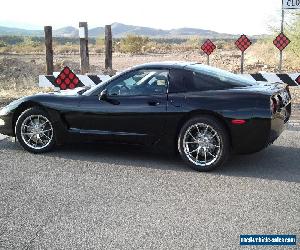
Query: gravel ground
<point x="119" y="197"/>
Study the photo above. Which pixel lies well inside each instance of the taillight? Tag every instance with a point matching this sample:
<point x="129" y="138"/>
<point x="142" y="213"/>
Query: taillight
<point x="238" y="122"/>
<point x="273" y="105"/>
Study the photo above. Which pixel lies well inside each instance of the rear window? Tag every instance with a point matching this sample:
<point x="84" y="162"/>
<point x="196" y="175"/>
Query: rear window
<point x="204" y="77"/>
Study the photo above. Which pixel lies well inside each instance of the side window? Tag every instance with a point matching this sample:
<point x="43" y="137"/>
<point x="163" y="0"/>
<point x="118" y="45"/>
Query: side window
<point x="140" y="82"/>
<point x="203" y="82"/>
<point x="177" y="81"/>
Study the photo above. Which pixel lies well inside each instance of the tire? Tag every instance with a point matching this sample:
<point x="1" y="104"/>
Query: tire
<point x="35" y="131"/>
<point x="200" y="136"/>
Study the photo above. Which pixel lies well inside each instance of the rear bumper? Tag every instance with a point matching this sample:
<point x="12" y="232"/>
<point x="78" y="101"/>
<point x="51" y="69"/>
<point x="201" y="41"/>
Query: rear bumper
<point x="277" y="127"/>
<point x="278" y="123"/>
<point x="257" y="134"/>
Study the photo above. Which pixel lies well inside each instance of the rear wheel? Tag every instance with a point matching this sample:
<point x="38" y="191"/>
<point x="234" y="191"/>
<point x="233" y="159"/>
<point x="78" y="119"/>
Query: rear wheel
<point x="35" y="131"/>
<point x="203" y="143"/>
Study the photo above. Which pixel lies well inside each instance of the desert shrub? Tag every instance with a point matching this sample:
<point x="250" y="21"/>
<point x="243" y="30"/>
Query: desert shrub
<point x="28" y="45"/>
<point x="293" y="33"/>
<point x="28" y="41"/>
<point x="133" y="44"/>
<point x="291" y="55"/>
<point x="67" y="48"/>
<point x="100" y="44"/>
<point x="193" y="42"/>
<point x="2" y="44"/>
<point x="227" y="44"/>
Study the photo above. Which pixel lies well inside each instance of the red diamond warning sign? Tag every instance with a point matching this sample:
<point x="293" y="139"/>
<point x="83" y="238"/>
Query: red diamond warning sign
<point x="281" y="41"/>
<point x="243" y="43"/>
<point x="208" y="47"/>
<point x="67" y="79"/>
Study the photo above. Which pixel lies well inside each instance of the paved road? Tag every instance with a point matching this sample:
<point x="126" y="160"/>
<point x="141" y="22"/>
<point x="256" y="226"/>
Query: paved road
<point x="109" y="197"/>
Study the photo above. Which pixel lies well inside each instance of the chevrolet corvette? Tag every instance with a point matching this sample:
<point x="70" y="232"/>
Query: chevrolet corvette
<point x="202" y="112"/>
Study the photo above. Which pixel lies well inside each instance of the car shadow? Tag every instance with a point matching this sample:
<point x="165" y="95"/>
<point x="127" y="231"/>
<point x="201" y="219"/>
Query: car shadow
<point x="274" y="163"/>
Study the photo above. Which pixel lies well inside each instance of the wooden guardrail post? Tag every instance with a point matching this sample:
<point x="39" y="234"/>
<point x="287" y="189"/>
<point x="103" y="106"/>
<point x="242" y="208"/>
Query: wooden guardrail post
<point x="49" y="50"/>
<point x="108" y="47"/>
<point x="84" y="50"/>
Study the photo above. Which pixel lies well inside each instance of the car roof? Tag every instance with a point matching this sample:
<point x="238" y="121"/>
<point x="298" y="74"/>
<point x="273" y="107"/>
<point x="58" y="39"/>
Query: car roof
<point x="166" y="64"/>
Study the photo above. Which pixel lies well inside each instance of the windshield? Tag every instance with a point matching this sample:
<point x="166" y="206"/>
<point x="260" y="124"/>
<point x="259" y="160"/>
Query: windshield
<point x="222" y="75"/>
<point x="94" y="88"/>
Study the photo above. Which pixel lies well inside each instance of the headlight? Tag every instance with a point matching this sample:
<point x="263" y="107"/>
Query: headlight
<point x="2" y="123"/>
<point x="3" y="111"/>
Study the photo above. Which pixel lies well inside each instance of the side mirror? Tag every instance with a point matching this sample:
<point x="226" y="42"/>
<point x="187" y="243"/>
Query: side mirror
<point x="103" y="95"/>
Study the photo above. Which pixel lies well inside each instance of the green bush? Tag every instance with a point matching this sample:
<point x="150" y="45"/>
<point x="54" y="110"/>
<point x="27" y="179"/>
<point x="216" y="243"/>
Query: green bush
<point x="28" y="41"/>
<point x="100" y="44"/>
<point x="133" y="44"/>
<point x="293" y="33"/>
<point x="193" y="41"/>
<point x="2" y="44"/>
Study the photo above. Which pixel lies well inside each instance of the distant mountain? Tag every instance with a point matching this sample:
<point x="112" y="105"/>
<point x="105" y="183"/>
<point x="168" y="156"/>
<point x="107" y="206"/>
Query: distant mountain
<point x="192" y="32"/>
<point x="7" y="31"/>
<point x="68" y="31"/>
<point x="96" y="32"/>
<point x="119" y="30"/>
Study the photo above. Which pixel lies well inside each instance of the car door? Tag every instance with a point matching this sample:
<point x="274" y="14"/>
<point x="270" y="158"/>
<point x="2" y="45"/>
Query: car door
<point x="133" y="109"/>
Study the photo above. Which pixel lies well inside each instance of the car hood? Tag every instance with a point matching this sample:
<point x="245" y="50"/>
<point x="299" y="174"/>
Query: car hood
<point x="70" y="92"/>
<point x="61" y="98"/>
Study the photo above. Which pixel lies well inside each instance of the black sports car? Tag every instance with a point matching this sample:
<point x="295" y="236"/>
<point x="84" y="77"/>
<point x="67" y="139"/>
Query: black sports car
<point x="203" y="112"/>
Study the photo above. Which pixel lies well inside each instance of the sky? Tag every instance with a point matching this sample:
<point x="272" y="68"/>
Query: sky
<point x="227" y="16"/>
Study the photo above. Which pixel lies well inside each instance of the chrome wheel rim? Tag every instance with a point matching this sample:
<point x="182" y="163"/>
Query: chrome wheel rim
<point x="36" y="131"/>
<point x="202" y="144"/>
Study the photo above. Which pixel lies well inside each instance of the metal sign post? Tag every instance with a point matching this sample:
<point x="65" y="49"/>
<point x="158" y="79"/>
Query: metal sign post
<point x="208" y="47"/>
<point x="243" y="43"/>
<point x="281" y="29"/>
<point x="242" y="62"/>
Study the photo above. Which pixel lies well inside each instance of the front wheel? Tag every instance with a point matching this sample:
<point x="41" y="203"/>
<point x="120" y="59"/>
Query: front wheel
<point x="34" y="130"/>
<point x="203" y="143"/>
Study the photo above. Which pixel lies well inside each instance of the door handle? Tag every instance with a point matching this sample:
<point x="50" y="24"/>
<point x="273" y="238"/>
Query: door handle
<point x="153" y="103"/>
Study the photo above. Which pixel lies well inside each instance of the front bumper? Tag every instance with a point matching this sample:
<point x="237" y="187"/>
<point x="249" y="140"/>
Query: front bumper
<point x="6" y="127"/>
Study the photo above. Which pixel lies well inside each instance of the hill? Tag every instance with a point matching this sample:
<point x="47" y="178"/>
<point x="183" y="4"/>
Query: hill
<point x="118" y="30"/>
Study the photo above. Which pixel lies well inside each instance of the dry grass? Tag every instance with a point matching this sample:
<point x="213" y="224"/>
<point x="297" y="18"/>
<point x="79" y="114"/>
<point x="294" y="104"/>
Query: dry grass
<point x="15" y="93"/>
<point x="261" y="56"/>
<point x="266" y="56"/>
